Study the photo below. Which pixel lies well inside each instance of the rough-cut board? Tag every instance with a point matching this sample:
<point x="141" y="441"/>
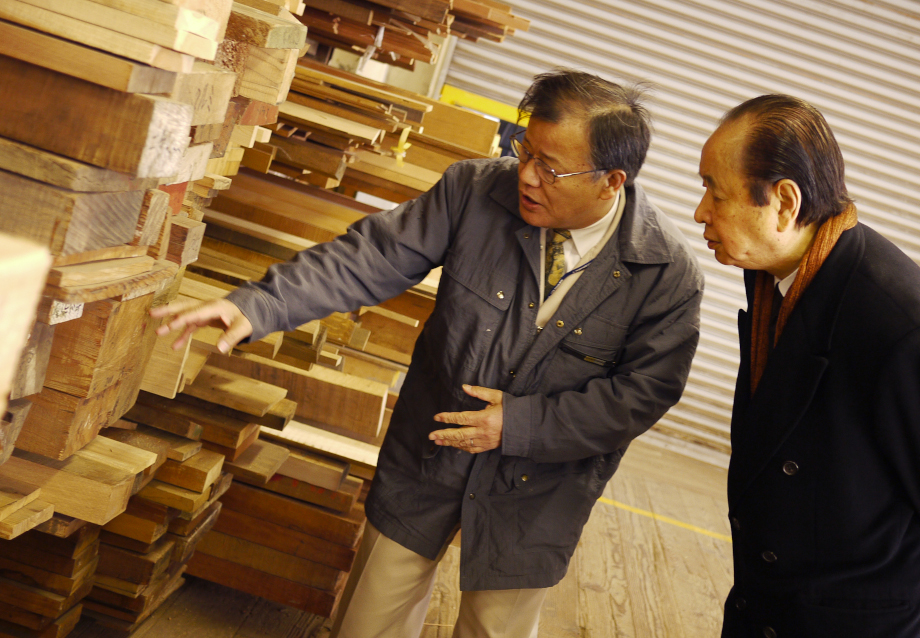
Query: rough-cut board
<point x="232" y="453"/>
<point x="196" y="473"/>
<point x="95" y="36"/>
<point x="97" y="272"/>
<point x="278" y="416"/>
<point x="67" y="221"/>
<point x="258" y="464"/>
<point x="131" y="25"/>
<point x="342" y="529"/>
<point x="44" y="579"/>
<point x="25" y="518"/>
<point x="341" y="500"/>
<point x="82" y="488"/>
<point x="33" y="362"/>
<point x="143" y="135"/>
<point x="316" y="469"/>
<point x="82" y="62"/>
<point x="259" y="583"/>
<point x="112" y="452"/>
<point x="236" y="391"/>
<point x="362" y="456"/>
<point x="172" y="496"/>
<point x="185" y="237"/>
<point x="132" y="566"/>
<point x="271" y="561"/>
<point x="284" y="539"/>
<point x="207" y="89"/>
<point x="322" y="395"/>
<point x="39" y="601"/>
<point x="11" y="425"/>
<point x="152" y="410"/>
<point x="163" y="374"/>
<point x="15" y="495"/>
<point x="262" y="29"/>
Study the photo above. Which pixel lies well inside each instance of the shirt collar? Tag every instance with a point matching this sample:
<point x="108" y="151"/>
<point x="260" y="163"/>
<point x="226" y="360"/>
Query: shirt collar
<point x="786" y="283"/>
<point x="586" y="238"/>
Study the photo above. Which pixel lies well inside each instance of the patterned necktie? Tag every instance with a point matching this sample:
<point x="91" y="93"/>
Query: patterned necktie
<point x="555" y="259"/>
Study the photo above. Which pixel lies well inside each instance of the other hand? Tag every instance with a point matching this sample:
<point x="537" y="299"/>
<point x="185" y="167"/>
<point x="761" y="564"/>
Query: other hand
<point x="482" y="429"/>
<point x="190" y="315"/>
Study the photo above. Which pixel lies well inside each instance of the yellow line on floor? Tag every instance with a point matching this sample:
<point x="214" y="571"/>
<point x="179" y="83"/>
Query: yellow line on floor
<point x="665" y="519"/>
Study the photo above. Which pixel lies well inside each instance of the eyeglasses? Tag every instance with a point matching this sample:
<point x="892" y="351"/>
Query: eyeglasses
<point x="544" y="172"/>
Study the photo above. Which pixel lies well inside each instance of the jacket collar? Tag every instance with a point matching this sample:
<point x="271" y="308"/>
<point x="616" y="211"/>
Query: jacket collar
<point x="762" y="422"/>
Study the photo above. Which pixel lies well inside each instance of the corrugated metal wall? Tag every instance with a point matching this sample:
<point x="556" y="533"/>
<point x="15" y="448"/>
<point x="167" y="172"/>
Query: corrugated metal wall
<point x="856" y="60"/>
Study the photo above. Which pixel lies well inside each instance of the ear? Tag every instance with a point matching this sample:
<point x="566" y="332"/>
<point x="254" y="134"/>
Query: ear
<point x="788" y="198"/>
<point x="613" y="181"/>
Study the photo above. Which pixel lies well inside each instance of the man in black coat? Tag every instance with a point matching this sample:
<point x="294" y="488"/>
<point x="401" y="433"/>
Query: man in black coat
<point x="824" y="481"/>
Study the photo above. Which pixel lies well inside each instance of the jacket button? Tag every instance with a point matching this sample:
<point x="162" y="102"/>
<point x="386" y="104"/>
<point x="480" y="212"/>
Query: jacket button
<point x="524" y="477"/>
<point x="472" y="497"/>
<point x="577" y="331"/>
<point x="500" y="294"/>
<point x="790" y="467"/>
<point x="740" y="603"/>
<point x="512" y="372"/>
<point x="527" y="236"/>
<point x="769" y="632"/>
<point x="616" y="274"/>
<point x="531" y="304"/>
<point x="736" y="524"/>
<point x="768" y="556"/>
<point x="560" y="324"/>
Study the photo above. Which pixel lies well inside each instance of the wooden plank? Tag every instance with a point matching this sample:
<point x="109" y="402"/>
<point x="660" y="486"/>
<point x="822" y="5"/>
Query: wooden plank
<point x="29" y="376"/>
<point x="98" y="272"/>
<point x="261" y="29"/>
<point x="271" y="561"/>
<point x="341" y="500"/>
<point x="208" y="89"/>
<point x="82" y="62"/>
<point x="130" y="25"/>
<point x="133" y="567"/>
<point x="362" y="456"/>
<point x="25" y="518"/>
<point x="259" y="583"/>
<point x="335" y="527"/>
<point x="147" y="412"/>
<point x="316" y="469"/>
<point x="95" y="36"/>
<point x="327" y="121"/>
<point x="258" y="464"/>
<point x="179" y="17"/>
<point x="322" y="395"/>
<point x="83" y="488"/>
<point x="236" y="391"/>
<point x="61" y="526"/>
<point x="185" y="237"/>
<point x="172" y="496"/>
<point x="11" y="426"/>
<point x="67" y="221"/>
<point x="196" y="473"/>
<point x="313" y="157"/>
<point x="248" y="437"/>
<point x="187" y="544"/>
<point x="14" y="495"/>
<point x="44" y="579"/>
<point x="139" y="134"/>
<point x="284" y="539"/>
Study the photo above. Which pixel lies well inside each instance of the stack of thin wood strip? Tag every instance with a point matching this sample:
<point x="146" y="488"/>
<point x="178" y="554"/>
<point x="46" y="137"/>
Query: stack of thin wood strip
<point x="44" y="580"/>
<point x="338" y="128"/>
<point x="144" y="550"/>
<point x="399" y="32"/>
<point x="288" y="529"/>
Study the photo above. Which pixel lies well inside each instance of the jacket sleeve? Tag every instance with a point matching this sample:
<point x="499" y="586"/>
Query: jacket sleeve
<point x="378" y="257"/>
<point x="608" y="412"/>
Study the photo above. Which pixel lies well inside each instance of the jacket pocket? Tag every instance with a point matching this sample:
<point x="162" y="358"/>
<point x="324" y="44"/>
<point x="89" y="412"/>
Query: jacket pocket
<point x="473" y="301"/>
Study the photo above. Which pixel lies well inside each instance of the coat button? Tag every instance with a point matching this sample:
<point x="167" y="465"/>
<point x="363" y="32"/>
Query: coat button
<point x="527" y="236"/>
<point x="500" y="294"/>
<point x="769" y="632"/>
<point x="524" y="477"/>
<point x="472" y="497"/>
<point x="736" y="524"/>
<point x="560" y="324"/>
<point x="790" y="467"/>
<point x="768" y="556"/>
<point x="531" y="304"/>
<point x="740" y="603"/>
<point x="512" y="372"/>
<point x="616" y="274"/>
<point x="577" y="331"/>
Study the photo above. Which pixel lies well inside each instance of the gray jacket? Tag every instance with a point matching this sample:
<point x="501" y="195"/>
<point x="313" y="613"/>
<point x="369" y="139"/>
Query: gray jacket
<point x="567" y="419"/>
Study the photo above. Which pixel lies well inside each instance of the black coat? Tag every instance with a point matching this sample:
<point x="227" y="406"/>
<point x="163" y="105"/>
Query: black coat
<point x="824" y="481"/>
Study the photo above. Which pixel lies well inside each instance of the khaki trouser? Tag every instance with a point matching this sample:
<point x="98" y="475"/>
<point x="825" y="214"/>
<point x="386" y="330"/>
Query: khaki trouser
<point x="389" y="588"/>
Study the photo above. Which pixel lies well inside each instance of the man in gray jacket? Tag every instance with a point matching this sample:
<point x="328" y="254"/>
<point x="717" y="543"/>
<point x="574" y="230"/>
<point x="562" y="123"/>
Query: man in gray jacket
<point x="566" y="319"/>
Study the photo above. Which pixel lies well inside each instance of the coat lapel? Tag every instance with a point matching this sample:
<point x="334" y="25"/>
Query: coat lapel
<point x="762" y="422"/>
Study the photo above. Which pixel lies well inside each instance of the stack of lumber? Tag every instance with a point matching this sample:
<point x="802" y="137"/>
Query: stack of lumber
<point x="399" y="32"/>
<point x="338" y="128"/>
<point x="44" y="580"/>
<point x="144" y="551"/>
<point x="288" y="529"/>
